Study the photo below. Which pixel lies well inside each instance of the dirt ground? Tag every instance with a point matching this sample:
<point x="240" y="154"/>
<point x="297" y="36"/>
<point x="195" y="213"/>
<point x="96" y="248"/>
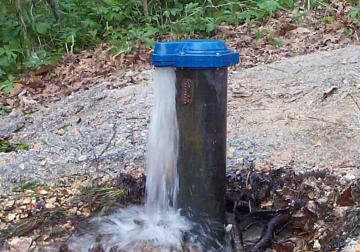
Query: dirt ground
<point x="302" y="112"/>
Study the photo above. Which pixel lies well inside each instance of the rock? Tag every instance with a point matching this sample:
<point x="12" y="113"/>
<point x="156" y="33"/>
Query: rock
<point x="317" y="245"/>
<point x="347" y="178"/>
<point x="353" y="245"/>
<point x="18" y="244"/>
<point x="49" y="206"/>
<point x="82" y="158"/>
<point x="230" y="152"/>
<point x="240" y="161"/>
<point x="23" y="215"/>
<point x="9" y="203"/>
<point x="11" y="216"/>
<point x="311" y="206"/>
<point x="22" y="166"/>
<point x="322" y="200"/>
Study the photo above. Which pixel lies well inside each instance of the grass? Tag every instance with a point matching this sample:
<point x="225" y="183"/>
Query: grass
<point x="100" y="197"/>
<point x="7" y="146"/>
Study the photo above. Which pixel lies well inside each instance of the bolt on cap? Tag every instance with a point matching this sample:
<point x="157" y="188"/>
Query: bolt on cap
<point x="195" y="54"/>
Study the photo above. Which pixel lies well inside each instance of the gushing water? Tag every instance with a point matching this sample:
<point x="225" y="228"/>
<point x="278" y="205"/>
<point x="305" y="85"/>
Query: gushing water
<point x="158" y="224"/>
<point x="162" y="180"/>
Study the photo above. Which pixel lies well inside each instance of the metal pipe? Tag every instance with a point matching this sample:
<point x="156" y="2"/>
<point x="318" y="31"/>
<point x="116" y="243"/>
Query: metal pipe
<point x="201" y="83"/>
<point x="201" y="114"/>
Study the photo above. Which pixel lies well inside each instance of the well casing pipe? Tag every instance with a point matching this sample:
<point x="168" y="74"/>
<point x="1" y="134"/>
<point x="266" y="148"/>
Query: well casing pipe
<point x="201" y="85"/>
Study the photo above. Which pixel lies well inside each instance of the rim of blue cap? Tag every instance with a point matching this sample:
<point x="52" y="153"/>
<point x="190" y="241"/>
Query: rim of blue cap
<point x="194" y="53"/>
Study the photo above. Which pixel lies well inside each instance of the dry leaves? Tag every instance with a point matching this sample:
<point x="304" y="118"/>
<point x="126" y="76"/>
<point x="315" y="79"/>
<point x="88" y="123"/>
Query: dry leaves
<point x="50" y="213"/>
<point x="74" y="73"/>
<point x="282" y="36"/>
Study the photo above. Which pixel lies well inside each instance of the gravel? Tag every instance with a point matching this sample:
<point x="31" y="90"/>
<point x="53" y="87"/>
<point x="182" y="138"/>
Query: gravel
<point x="277" y="116"/>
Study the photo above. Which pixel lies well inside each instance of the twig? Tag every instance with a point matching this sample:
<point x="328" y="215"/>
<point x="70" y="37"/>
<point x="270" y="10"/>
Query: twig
<point x="277" y="69"/>
<point x="146" y="8"/>
<point x="110" y="140"/>
<point x="266" y="238"/>
<point x="96" y="160"/>
<point x="230" y="217"/>
<point x="307" y="118"/>
<point x="72" y="44"/>
<point x="241" y="231"/>
<point x="135" y="118"/>
<point x="67" y="49"/>
<point x="355" y="101"/>
<point x="247" y="179"/>
<point x="33" y="240"/>
<point x="22" y="23"/>
<point x="357" y="105"/>
<point x="54" y="8"/>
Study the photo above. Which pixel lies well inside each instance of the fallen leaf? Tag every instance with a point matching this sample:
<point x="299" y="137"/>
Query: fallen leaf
<point x="283" y="247"/>
<point x="345" y="198"/>
<point x="43" y="192"/>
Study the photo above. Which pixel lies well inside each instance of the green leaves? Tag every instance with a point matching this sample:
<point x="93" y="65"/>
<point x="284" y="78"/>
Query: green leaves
<point x="38" y="58"/>
<point x="6" y="146"/>
<point x="8" y="84"/>
<point x="268" y="7"/>
<point x="4" y="110"/>
<point x="354" y="13"/>
<point x="42" y="28"/>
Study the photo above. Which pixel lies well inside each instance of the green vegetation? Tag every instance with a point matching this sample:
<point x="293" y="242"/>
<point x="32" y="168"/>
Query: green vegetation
<point x="4" y="110"/>
<point x="268" y="35"/>
<point x="100" y="197"/>
<point x="6" y="146"/>
<point x="38" y="32"/>
<point x="29" y="186"/>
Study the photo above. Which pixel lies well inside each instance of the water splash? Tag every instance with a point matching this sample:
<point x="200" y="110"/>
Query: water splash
<point x="157" y="226"/>
<point x="134" y="230"/>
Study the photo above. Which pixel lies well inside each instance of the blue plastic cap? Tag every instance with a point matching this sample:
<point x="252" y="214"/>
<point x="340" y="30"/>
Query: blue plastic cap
<point x="194" y="54"/>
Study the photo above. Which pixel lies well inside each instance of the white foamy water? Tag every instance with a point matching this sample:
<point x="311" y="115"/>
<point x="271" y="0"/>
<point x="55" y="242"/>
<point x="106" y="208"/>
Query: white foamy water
<point x="162" y="182"/>
<point x="156" y="225"/>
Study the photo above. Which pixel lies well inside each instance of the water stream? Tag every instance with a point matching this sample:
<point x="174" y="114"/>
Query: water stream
<point x="157" y="224"/>
<point x="162" y="182"/>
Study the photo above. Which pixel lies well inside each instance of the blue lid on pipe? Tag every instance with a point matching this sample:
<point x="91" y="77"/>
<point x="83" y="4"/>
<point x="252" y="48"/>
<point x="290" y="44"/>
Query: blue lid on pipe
<point x="197" y="53"/>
